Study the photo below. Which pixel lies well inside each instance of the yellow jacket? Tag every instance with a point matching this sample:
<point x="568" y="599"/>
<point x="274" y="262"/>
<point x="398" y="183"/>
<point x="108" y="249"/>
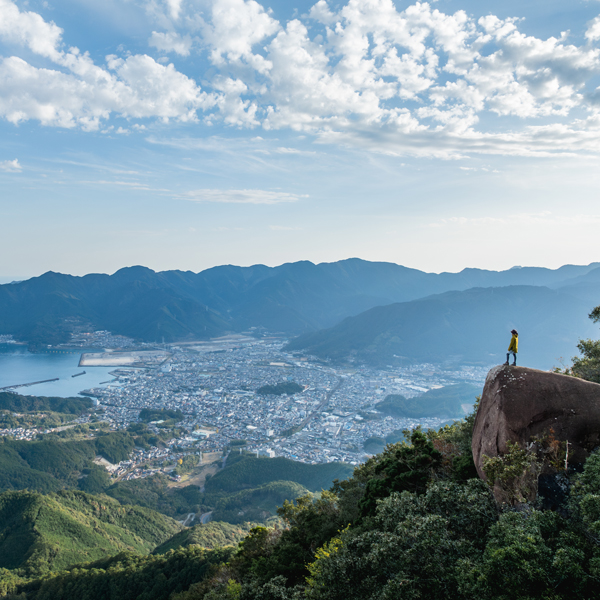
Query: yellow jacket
<point x="514" y="344"/>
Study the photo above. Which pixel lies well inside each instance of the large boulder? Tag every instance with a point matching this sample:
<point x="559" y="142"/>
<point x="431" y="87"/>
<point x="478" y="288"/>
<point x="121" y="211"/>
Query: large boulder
<point x="519" y="403"/>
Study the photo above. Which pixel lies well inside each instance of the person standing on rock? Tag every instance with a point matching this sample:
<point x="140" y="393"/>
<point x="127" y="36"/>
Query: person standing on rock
<point x="513" y="347"/>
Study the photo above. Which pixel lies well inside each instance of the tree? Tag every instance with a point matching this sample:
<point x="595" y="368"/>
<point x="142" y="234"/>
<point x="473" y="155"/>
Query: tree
<point x="587" y="366"/>
<point x="401" y="467"/>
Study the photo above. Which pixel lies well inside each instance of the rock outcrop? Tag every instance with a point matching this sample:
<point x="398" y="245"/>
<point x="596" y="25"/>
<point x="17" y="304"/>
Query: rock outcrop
<point x="519" y="403"/>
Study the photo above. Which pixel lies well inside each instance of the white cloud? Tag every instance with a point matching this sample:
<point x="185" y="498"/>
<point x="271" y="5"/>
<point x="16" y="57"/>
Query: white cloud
<point x="593" y="31"/>
<point x="284" y="150"/>
<point x="234" y="29"/>
<point x="242" y="196"/>
<point x="134" y="87"/>
<point x="80" y="93"/>
<point x="174" y="7"/>
<point x="10" y="166"/>
<point x="350" y="88"/>
<point x="29" y="29"/>
<point x="171" y="42"/>
<point x="134" y="185"/>
<point x="414" y="81"/>
<point x="320" y="12"/>
<point x="233" y="109"/>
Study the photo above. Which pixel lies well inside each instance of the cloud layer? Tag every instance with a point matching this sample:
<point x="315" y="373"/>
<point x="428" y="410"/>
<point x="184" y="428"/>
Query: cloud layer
<point x="241" y="196"/>
<point x="415" y="81"/>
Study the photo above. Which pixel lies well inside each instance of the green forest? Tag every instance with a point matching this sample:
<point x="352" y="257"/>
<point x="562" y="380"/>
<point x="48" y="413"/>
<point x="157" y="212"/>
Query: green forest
<point x="412" y="522"/>
<point x="285" y="387"/>
<point x="44" y="533"/>
<point x="17" y="403"/>
<point x="148" y="415"/>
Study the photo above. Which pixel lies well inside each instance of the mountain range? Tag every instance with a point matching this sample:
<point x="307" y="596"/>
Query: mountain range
<point x="303" y="298"/>
<point x="460" y="327"/>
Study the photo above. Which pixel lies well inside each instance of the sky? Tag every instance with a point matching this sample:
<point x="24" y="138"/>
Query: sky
<point x="185" y="134"/>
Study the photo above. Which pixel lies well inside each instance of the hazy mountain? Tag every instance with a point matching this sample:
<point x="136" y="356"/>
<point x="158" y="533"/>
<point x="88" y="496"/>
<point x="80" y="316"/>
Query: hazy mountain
<point x="469" y="326"/>
<point x="585" y="287"/>
<point x="136" y="302"/>
<point x="447" y="402"/>
<point x="303" y="296"/>
<point x="292" y="298"/>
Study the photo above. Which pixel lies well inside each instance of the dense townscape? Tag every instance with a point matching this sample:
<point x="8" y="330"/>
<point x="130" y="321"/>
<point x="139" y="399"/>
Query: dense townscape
<point x="214" y="384"/>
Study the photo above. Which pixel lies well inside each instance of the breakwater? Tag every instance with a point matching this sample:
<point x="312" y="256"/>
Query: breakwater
<point x="19" y="385"/>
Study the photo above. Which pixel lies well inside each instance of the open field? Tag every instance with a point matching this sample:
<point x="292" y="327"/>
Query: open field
<point x="226" y="342"/>
<point x="144" y="358"/>
<point x="198" y="475"/>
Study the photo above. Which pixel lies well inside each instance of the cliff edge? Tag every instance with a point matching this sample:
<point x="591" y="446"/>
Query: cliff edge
<point x="518" y="403"/>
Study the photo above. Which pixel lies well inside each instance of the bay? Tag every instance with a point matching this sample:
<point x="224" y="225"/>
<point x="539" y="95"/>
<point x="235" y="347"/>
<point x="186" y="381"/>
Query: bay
<point x="18" y="365"/>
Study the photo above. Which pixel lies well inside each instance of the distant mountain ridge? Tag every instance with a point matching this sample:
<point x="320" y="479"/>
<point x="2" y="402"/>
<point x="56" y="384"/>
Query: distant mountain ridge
<point x="457" y="327"/>
<point x="293" y="298"/>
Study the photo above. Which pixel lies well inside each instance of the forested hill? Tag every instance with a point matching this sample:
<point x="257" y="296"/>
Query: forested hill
<point x="18" y="403"/>
<point x="469" y="326"/>
<point x="412" y="522"/>
<point x="41" y="533"/>
<point x="292" y="298"/>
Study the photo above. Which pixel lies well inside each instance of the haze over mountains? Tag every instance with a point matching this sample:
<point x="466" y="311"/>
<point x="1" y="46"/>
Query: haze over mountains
<point x="459" y="327"/>
<point x="422" y="316"/>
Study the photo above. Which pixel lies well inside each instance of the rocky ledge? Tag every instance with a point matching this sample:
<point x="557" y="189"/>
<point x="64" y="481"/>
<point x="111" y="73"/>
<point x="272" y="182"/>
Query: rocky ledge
<point x="519" y="403"/>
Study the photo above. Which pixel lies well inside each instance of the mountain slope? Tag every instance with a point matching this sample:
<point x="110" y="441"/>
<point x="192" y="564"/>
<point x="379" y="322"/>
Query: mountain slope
<point x="215" y="534"/>
<point x="250" y="472"/>
<point x="446" y="402"/>
<point x="134" y="302"/>
<point x="470" y="326"/>
<point x="40" y="533"/>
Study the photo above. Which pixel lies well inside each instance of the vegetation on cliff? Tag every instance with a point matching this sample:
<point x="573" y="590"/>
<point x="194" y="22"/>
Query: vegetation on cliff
<point x="587" y="365"/>
<point x="412" y="522"/>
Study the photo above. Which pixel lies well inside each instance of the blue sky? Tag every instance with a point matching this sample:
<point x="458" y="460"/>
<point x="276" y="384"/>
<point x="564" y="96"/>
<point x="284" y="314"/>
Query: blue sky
<point x="183" y="134"/>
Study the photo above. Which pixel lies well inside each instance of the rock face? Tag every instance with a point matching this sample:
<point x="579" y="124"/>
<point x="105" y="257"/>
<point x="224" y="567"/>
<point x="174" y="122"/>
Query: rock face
<point x="518" y="403"/>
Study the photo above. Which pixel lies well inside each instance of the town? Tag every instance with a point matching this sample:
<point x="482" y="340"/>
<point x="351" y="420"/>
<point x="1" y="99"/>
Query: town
<point x="214" y="384"/>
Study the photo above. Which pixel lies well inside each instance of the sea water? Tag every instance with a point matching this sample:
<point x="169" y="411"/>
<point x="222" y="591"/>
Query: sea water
<point x="18" y="365"/>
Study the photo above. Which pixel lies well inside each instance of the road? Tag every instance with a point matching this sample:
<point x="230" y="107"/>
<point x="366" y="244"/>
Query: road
<point x="188" y="519"/>
<point x="321" y="406"/>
